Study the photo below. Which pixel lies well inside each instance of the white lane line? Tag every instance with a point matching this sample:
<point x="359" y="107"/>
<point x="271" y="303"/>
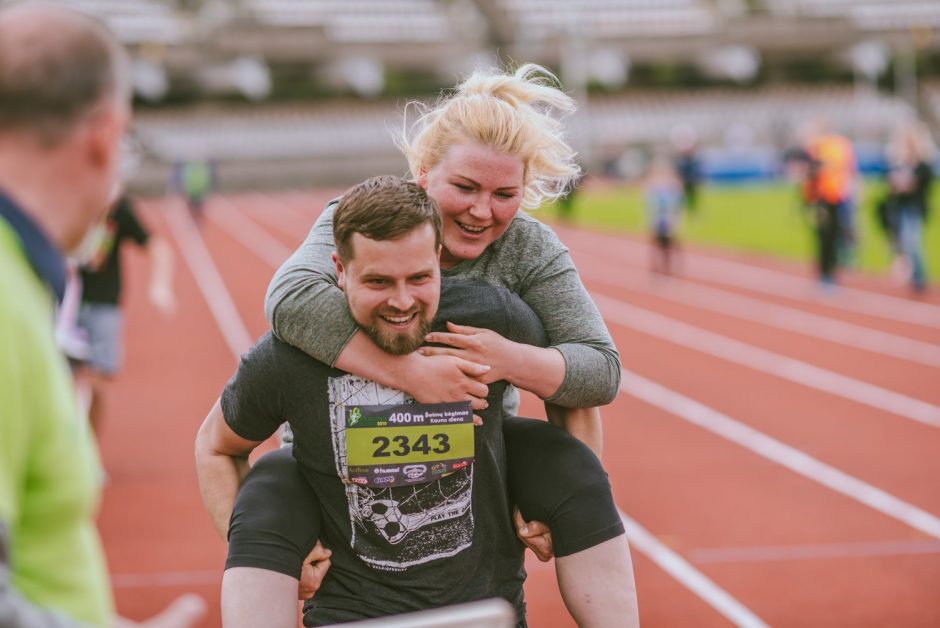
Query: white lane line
<point x="764" y="361"/>
<point x="756" y="279"/>
<point x="165" y="579"/>
<point x="780" y="316"/>
<point x="241" y="228"/>
<point x="208" y="278"/>
<point x="822" y="551"/>
<point x="847" y="298"/>
<point x="776" y="451"/>
<point x="689" y="576"/>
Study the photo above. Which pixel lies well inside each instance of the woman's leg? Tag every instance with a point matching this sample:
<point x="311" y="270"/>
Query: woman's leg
<point x="254" y="597"/>
<point x="556" y="479"/>
<point x="274" y="525"/>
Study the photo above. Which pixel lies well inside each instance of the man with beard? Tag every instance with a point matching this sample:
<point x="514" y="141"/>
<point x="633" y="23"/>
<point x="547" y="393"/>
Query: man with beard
<point x="413" y="496"/>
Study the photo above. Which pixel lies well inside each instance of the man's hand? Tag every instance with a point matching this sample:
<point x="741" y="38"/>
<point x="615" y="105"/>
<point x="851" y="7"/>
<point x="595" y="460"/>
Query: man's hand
<point x="161" y="275"/>
<point x="535" y="535"/>
<point x="482" y="346"/>
<point x="162" y="297"/>
<point x="429" y="379"/>
<point x="316" y="564"/>
<point x="439" y="379"/>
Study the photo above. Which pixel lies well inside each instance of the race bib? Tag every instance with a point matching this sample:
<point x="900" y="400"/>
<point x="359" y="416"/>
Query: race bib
<point x="405" y="444"/>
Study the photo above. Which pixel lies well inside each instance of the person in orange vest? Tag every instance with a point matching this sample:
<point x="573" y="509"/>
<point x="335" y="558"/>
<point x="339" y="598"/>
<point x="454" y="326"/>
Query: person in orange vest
<point x="829" y="190"/>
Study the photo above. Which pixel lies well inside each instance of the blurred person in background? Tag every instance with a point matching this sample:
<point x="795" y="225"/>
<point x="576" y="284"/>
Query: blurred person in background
<point x="486" y="150"/>
<point x="64" y="107"/>
<point x="830" y="190"/>
<point x="566" y="202"/>
<point x="906" y="206"/>
<point x="100" y="319"/>
<point x="663" y="194"/>
<point x="195" y="180"/>
<point x="688" y="165"/>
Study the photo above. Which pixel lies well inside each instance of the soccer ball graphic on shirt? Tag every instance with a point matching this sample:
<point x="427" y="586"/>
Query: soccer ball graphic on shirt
<point x="387" y="518"/>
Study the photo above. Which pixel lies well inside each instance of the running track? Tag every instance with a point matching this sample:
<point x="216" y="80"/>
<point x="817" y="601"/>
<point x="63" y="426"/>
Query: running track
<point x="775" y="452"/>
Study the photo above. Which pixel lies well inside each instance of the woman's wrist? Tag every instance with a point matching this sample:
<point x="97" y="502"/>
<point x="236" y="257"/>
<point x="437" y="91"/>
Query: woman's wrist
<point x="364" y="358"/>
<point x="539" y="370"/>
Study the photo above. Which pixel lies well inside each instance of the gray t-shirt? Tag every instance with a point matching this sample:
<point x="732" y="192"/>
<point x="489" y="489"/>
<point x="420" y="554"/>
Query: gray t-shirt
<point x="402" y="548"/>
<point x="306" y="308"/>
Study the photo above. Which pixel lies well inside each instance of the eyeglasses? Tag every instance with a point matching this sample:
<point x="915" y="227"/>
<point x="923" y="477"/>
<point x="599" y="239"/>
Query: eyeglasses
<point x="130" y="157"/>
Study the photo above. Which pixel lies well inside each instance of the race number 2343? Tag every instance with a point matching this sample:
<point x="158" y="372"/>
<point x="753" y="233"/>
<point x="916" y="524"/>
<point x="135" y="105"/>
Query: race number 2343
<point x="430" y="439"/>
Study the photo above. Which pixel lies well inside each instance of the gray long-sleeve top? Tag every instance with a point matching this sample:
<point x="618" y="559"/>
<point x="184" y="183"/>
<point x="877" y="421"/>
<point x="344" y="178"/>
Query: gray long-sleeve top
<point x="306" y="308"/>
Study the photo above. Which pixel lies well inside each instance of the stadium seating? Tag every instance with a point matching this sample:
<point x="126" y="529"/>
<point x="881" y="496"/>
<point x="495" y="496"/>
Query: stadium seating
<point x="649" y="117"/>
<point x="316" y="139"/>
<point x="357" y="21"/>
<point x="137" y="21"/>
<point x="882" y="15"/>
<point x="604" y="19"/>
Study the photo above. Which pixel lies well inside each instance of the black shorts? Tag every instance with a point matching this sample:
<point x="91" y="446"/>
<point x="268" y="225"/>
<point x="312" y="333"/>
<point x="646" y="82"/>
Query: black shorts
<point x="553" y="478"/>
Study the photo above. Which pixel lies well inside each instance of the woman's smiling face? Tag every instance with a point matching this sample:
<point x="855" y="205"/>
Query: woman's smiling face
<point x="478" y="191"/>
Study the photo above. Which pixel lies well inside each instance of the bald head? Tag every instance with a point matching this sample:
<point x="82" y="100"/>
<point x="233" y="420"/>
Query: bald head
<point x="56" y="67"/>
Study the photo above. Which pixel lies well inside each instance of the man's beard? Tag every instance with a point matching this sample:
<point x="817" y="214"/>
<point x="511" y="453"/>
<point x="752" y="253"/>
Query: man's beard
<point x="397" y="343"/>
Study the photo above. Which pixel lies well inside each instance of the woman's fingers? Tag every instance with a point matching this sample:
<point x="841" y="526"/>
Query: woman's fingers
<point x="461" y="341"/>
<point x="438" y="351"/>
<point x="464" y="329"/>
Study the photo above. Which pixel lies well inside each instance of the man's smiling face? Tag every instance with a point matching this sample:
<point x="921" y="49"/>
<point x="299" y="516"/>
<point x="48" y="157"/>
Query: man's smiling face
<point x="393" y="287"/>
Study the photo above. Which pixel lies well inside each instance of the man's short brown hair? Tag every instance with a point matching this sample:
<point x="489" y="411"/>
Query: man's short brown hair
<point x="382" y="208"/>
<point x="56" y="67"/>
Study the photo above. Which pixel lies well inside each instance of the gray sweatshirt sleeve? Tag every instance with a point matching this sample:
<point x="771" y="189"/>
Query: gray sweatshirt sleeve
<point x="304" y="305"/>
<point x="18" y="612"/>
<point x="552" y="287"/>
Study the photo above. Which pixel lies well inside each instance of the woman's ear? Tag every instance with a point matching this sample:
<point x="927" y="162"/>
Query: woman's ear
<point x="422" y="178"/>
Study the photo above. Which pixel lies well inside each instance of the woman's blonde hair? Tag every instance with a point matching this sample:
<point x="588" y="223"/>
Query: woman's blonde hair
<point x="516" y="113"/>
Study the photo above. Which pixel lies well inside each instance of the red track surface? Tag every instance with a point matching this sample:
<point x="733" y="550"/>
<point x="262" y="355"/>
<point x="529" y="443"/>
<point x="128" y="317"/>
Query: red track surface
<point x="783" y="545"/>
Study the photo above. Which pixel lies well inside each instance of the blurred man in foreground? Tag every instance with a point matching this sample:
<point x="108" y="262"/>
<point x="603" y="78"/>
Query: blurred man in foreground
<point x="64" y="107"/>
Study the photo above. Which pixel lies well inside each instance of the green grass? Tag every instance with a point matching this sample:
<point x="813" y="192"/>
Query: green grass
<point x="764" y="219"/>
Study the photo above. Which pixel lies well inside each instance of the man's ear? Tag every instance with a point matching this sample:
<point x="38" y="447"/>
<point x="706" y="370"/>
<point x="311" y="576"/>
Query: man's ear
<point x="103" y="137"/>
<point x="440" y="249"/>
<point x="340" y="271"/>
<point x="422" y="179"/>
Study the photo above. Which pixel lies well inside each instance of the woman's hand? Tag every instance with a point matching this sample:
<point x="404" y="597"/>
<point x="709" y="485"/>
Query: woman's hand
<point x="536" y="369"/>
<point x="475" y="344"/>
